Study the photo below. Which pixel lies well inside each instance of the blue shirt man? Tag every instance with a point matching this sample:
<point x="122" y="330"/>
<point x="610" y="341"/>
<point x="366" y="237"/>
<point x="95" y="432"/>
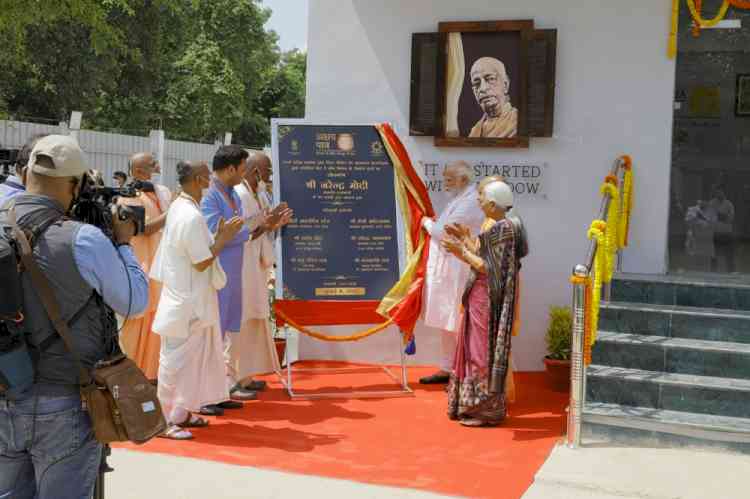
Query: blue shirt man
<point x="221" y="202"/>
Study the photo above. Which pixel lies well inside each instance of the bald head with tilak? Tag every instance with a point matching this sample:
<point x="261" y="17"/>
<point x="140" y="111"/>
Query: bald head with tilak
<point x="259" y="164"/>
<point x="142" y="166"/>
<point x="490" y="83"/>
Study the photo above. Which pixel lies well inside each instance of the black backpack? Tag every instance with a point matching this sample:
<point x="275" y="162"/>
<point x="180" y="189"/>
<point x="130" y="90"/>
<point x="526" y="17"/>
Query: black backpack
<point x="16" y="359"/>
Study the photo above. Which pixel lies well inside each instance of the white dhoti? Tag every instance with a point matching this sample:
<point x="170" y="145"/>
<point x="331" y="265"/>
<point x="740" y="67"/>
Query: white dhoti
<point x="191" y="372"/>
<point x="252" y="351"/>
<point x="446" y="275"/>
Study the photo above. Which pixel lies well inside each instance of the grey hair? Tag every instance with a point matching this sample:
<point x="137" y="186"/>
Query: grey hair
<point x="462" y="168"/>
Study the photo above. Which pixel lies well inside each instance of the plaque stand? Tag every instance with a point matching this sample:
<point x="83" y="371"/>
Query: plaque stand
<point x="402" y="382"/>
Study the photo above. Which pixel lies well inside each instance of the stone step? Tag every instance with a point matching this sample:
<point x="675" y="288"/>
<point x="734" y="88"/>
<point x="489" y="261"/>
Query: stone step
<point x="673" y="321"/>
<point x="668" y="391"/>
<point x="673" y="355"/>
<point x="644" y="426"/>
<point x="731" y="293"/>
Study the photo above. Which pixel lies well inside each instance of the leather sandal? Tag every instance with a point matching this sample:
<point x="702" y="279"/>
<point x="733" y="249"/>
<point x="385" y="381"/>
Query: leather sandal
<point x="435" y="379"/>
<point x="174" y="432"/>
<point x="193" y="421"/>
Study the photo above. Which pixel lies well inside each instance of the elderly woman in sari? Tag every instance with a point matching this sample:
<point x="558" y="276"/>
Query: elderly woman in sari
<point x="477" y="391"/>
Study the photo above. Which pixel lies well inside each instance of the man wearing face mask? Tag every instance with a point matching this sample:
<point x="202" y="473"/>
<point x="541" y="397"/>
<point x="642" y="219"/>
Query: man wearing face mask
<point x="191" y="364"/>
<point x="137" y="339"/>
<point x="446" y="276"/>
<point x="47" y="446"/>
<point x="253" y="350"/>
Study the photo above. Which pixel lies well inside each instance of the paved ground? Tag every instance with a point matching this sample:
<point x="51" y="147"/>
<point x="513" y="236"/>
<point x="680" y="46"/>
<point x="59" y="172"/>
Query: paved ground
<point x="608" y="472"/>
<point x="595" y="472"/>
<point x="144" y="476"/>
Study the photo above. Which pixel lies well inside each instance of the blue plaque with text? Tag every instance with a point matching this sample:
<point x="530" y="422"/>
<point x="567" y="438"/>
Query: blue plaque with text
<point x="343" y="242"/>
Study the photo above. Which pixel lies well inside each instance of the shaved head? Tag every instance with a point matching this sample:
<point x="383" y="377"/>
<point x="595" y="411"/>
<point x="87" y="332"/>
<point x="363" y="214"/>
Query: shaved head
<point x="142" y="165"/>
<point x="261" y="163"/>
<point x="490" y="83"/>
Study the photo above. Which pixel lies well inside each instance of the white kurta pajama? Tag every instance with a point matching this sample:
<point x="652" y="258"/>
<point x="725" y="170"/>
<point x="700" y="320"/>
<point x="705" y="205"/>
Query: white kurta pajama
<point x="253" y="351"/>
<point x="446" y="275"/>
<point x="191" y="370"/>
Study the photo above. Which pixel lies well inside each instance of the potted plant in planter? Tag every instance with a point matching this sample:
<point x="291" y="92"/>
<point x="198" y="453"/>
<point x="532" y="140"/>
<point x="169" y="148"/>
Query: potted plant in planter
<point x="557" y="361"/>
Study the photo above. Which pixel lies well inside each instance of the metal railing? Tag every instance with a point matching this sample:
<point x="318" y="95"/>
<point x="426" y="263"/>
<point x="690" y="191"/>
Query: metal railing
<point x="577" y="361"/>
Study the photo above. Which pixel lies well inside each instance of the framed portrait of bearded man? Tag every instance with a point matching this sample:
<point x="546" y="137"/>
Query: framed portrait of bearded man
<point x="483" y="84"/>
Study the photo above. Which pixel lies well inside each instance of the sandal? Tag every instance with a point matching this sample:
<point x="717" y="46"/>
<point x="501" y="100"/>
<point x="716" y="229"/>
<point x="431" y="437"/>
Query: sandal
<point x="174" y="432"/>
<point x="193" y="421"/>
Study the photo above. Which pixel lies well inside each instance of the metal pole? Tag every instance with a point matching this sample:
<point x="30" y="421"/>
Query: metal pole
<point x="577" y="368"/>
<point x="404" y="379"/>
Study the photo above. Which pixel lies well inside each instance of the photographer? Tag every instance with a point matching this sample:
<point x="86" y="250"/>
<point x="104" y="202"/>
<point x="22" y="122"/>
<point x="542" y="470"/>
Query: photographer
<point x="47" y="447"/>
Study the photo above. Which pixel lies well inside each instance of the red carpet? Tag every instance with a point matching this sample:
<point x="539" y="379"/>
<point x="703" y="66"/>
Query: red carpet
<point x="404" y="442"/>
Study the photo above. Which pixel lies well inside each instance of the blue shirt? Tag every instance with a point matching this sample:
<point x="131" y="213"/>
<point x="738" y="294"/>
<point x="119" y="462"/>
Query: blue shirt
<point x="113" y="272"/>
<point x="10" y="188"/>
<point x="215" y="205"/>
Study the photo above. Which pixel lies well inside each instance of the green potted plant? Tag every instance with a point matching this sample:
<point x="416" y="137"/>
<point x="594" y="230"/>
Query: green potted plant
<point x="557" y="361"/>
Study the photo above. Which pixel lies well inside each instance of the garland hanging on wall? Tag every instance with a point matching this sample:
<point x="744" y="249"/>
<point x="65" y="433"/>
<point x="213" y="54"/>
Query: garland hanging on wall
<point x="695" y="7"/>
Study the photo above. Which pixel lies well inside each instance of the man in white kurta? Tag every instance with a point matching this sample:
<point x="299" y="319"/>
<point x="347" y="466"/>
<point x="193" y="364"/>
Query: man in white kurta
<point x="446" y="276"/>
<point x="191" y="369"/>
<point x="253" y="351"/>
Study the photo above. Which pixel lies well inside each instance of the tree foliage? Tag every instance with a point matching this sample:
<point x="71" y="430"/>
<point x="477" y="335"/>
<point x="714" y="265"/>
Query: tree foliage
<point x="196" y="68"/>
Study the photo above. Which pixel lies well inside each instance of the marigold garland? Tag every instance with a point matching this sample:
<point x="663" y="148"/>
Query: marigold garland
<point x="611" y="240"/>
<point x="708" y="23"/>
<point x="597" y="232"/>
<point x="627" y="205"/>
<point x="672" y="46"/>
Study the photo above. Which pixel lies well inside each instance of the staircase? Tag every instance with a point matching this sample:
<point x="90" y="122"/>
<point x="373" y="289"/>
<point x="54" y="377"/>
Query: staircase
<point x="671" y="366"/>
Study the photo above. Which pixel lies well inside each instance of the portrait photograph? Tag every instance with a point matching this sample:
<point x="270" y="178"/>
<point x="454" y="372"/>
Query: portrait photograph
<point x="484" y="89"/>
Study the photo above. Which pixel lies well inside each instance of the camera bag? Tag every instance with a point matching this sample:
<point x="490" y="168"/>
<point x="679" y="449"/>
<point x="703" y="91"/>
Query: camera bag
<point x="121" y="402"/>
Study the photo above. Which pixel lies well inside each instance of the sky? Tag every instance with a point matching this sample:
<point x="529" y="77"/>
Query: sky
<point x="289" y="20"/>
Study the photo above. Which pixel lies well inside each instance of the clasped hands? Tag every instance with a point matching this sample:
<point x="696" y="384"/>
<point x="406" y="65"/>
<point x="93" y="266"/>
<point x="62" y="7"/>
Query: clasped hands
<point x="457" y="239"/>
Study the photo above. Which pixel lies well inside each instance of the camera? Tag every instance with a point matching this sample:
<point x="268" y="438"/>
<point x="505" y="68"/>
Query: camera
<point x="94" y="205"/>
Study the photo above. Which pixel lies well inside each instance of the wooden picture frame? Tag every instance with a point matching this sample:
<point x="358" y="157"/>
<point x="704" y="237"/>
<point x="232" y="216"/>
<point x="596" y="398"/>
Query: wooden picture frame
<point x="742" y="96"/>
<point x="423" y="101"/>
<point x="542" y="82"/>
<point x="513" y="39"/>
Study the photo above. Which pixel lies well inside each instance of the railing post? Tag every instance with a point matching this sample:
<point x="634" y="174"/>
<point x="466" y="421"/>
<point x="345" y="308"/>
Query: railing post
<point x="577" y="367"/>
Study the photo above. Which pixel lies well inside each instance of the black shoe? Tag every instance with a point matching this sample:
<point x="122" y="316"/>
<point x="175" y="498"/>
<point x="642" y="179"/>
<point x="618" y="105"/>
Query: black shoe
<point x="435" y="379"/>
<point x="230" y="404"/>
<point x="256" y="386"/>
<point x="211" y="410"/>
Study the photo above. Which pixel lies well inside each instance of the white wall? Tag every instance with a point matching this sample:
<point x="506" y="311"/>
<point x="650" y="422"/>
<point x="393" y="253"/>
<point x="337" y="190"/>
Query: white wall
<point x="614" y="95"/>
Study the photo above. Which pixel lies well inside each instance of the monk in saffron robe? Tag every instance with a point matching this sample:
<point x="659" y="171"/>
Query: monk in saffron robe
<point x="137" y="339"/>
<point x="491" y="86"/>
<point x="477" y="393"/>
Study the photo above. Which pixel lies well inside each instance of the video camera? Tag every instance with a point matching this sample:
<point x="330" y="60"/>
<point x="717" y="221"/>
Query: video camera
<point x="94" y="205"/>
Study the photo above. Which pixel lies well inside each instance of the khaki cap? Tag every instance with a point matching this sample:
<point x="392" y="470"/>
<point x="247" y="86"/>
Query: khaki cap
<point x="65" y="154"/>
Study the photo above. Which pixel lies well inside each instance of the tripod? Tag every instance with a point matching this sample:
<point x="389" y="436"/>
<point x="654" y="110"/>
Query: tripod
<point x="104" y="467"/>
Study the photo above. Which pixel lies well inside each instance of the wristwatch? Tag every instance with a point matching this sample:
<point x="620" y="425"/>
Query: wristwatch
<point x="118" y="245"/>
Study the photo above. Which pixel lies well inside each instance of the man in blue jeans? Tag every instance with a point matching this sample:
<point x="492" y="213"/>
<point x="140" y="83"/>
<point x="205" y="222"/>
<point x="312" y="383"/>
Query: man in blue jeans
<point x="47" y="446"/>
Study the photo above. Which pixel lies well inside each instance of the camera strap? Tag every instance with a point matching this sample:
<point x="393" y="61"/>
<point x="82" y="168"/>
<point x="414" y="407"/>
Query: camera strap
<point x="43" y="288"/>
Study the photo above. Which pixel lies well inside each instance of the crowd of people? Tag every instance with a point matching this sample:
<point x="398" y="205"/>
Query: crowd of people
<point x="191" y="293"/>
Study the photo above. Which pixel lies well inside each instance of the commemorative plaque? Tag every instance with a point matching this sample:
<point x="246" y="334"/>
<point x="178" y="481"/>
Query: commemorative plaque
<point x="343" y="242"/>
